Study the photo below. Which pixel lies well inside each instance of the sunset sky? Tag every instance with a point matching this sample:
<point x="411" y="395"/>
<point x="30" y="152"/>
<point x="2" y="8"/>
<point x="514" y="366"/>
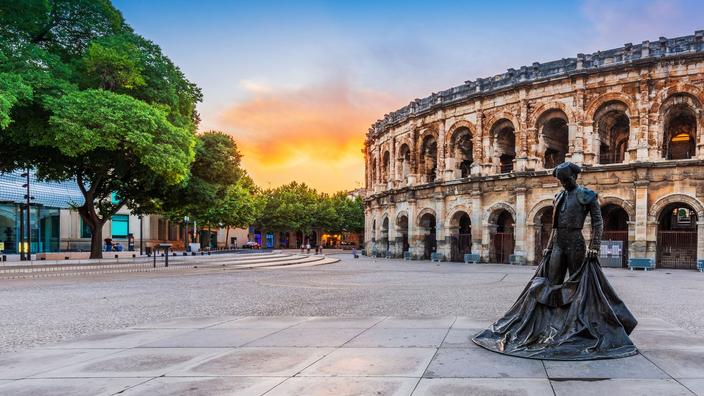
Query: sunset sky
<point x="298" y="83"/>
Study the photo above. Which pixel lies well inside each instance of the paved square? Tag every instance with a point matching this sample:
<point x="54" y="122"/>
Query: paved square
<point x="339" y="356"/>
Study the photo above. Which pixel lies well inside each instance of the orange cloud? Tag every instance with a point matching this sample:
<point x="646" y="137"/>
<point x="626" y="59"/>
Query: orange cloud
<point x="313" y="135"/>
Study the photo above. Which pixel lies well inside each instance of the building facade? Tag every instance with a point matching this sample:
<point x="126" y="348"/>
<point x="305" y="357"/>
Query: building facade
<point x="57" y="227"/>
<point x="468" y="169"/>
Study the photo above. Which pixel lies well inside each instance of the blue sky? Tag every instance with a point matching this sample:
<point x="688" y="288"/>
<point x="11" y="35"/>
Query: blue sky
<point x="298" y="83"/>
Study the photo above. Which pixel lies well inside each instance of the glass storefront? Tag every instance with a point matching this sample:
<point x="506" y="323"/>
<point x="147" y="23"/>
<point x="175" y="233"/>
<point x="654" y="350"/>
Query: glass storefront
<point x="45" y="230"/>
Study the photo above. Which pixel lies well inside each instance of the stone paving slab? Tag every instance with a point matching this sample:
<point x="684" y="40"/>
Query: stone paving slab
<point x="340" y="356"/>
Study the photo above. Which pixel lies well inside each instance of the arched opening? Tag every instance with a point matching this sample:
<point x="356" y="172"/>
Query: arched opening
<point x="616" y="229"/>
<point x="402" y="227"/>
<point x="504" y="142"/>
<point x="384" y="236"/>
<point x="543" y="228"/>
<point x="386" y="167"/>
<point x="554" y="137"/>
<point x="501" y="233"/>
<point x="429" y="158"/>
<point x="613" y="127"/>
<point x="677" y="237"/>
<point x="460" y="236"/>
<point x="461" y="150"/>
<point x="404" y="161"/>
<point x="428" y="233"/>
<point x="680" y="128"/>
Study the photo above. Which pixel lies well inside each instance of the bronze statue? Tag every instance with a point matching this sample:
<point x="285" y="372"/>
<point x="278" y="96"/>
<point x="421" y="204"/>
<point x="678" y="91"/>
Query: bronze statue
<point x="580" y="318"/>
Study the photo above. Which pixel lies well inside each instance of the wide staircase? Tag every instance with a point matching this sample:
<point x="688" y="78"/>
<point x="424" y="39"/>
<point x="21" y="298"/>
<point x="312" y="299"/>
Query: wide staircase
<point x="202" y="263"/>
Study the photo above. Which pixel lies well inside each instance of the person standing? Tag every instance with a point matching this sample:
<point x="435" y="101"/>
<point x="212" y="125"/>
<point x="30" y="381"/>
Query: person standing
<point x="308" y="247"/>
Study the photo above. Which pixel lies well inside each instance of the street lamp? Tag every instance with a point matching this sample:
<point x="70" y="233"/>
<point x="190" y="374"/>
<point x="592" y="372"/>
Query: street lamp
<point x="185" y="233"/>
<point x="141" y="234"/>
<point x="28" y="199"/>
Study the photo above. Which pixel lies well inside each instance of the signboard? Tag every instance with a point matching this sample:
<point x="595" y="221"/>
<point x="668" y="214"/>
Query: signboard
<point x="2" y="246"/>
<point x="611" y="254"/>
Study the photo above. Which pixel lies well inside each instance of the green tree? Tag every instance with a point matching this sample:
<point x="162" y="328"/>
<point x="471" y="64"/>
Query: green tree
<point x="84" y="98"/>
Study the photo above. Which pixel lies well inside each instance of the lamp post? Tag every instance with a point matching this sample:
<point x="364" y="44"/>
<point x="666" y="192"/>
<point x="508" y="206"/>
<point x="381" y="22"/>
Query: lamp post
<point x="185" y="233"/>
<point x="28" y="199"/>
<point x="141" y="234"/>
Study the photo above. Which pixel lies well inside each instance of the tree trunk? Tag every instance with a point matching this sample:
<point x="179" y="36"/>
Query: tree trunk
<point x="227" y="238"/>
<point x="96" y="242"/>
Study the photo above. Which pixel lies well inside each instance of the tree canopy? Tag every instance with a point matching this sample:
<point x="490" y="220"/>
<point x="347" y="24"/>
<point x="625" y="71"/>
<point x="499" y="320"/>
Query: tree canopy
<point x="84" y="98"/>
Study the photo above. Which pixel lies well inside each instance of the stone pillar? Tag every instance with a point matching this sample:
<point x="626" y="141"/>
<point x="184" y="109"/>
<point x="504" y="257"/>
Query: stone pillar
<point x="519" y="231"/>
<point x="639" y="246"/>
<point x="441" y="235"/>
<point x="700" y="239"/>
<point x="533" y="150"/>
<point x="476" y="219"/>
<point x="412" y="228"/>
<point x="589" y="151"/>
<point x="440" y="170"/>
<point x="451" y="171"/>
<point x="531" y="230"/>
<point x="392" y="235"/>
<point x="575" y="152"/>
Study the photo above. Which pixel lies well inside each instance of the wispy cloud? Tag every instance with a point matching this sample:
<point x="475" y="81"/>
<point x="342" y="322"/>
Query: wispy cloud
<point x="313" y="134"/>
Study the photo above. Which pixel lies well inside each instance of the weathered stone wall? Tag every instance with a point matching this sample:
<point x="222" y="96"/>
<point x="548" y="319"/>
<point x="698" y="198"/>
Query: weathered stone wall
<point x="634" y="122"/>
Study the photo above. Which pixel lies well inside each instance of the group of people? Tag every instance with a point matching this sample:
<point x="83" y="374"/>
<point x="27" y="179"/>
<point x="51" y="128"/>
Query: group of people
<point x="305" y="248"/>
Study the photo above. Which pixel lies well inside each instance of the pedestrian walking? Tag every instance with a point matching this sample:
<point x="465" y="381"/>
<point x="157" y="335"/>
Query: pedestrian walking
<point x="308" y="247"/>
<point x="321" y="249"/>
<point x="354" y="253"/>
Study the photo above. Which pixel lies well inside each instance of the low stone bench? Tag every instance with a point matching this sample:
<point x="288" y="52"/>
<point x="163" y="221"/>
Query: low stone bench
<point x="436" y="257"/>
<point x="700" y="265"/>
<point x="644" y="263"/>
<point x="471" y="258"/>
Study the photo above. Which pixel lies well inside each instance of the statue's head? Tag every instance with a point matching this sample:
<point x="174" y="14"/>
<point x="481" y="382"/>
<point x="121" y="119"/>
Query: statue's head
<point x="567" y="173"/>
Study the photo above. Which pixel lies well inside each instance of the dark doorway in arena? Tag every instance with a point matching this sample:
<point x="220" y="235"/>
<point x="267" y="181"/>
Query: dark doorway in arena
<point x="402" y="227"/>
<point x="502" y="240"/>
<point x="554" y="134"/>
<point x="429" y="158"/>
<point x="680" y="129"/>
<point x="613" y="126"/>
<point x="461" y="150"/>
<point x="616" y="228"/>
<point x="504" y="136"/>
<point x="427" y="225"/>
<point x="461" y="236"/>
<point x="543" y="228"/>
<point x="677" y="237"/>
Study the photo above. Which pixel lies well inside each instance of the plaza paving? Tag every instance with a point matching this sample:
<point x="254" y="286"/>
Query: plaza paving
<point x="340" y="356"/>
<point x="356" y="326"/>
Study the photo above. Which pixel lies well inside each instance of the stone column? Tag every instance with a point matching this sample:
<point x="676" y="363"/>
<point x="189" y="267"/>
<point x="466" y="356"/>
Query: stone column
<point x="589" y="151"/>
<point x="441" y="235"/>
<point x="700" y="239"/>
<point x="574" y="149"/>
<point x="531" y="230"/>
<point x="440" y="170"/>
<point x="533" y="150"/>
<point x="391" y="212"/>
<point x="412" y="228"/>
<point x="519" y="231"/>
<point x="476" y="219"/>
<point x="639" y="246"/>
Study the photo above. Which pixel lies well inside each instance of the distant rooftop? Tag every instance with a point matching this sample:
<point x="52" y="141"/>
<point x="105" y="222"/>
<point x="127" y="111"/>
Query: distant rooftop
<point x="53" y="194"/>
<point x="629" y="53"/>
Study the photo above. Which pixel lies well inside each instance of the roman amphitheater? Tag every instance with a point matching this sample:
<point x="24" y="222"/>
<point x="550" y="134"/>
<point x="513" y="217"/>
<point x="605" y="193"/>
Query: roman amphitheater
<point x="468" y="170"/>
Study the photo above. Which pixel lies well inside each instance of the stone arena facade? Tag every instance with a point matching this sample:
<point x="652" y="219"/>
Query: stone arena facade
<point x="468" y="169"/>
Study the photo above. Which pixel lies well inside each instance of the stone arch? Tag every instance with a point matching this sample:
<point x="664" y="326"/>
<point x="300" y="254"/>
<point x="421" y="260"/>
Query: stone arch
<point x="596" y="104"/>
<point x="492" y="211"/>
<point x="544" y="108"/>
<point x="498" y="116"/>
<point x="660" y="204"/>
<point x="423" y="212"/>
<point x="428" y="155"/>
<point x="552" y="135"/>
<point x="401" y="224"/>
<point x="626" y="205"/>
<point x="681" y="88"/>
<point x="612" y="125"/>
<point x="502" y="135"/>
<point x="542" y="204"/>
<point x="679" y="115"/>
<point x="400" y="214"/>
<point x="450" y="221"/>
<point x="457" y="125"/>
